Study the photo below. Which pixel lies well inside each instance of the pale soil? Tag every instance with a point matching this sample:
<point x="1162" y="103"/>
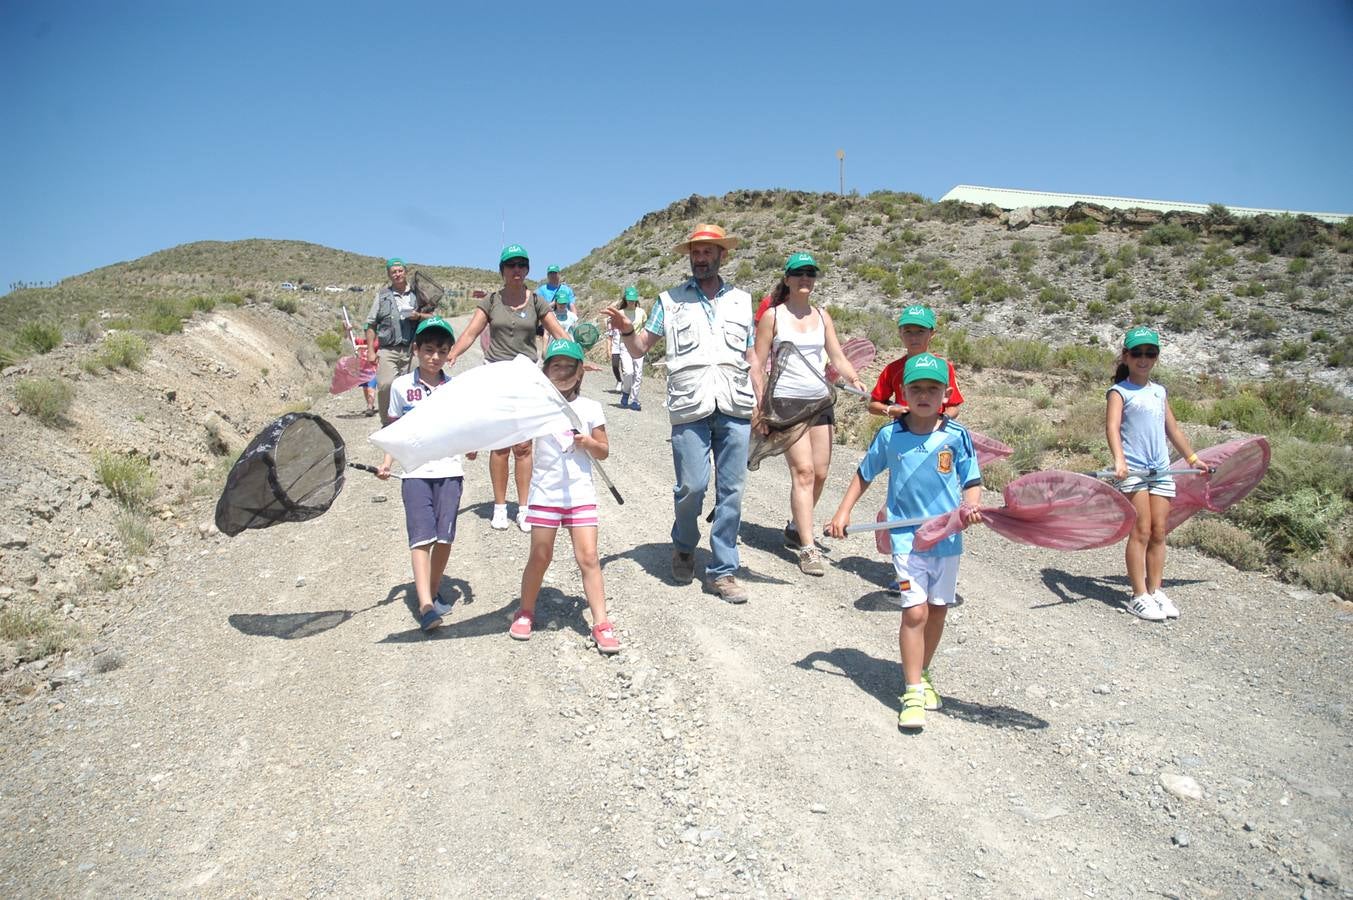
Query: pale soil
<point x="279" y="726"/>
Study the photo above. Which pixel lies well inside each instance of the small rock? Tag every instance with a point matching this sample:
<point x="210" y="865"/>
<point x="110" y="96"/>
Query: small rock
<point x="630" y="875"/>
<point x="704" y="892"/>
<point x="1324" y="873"/>
<point x="1181" y="839"/>
<point x="1181" y="786"/>
<point x="394" y="735"/>
<point x="300" y="581"/>
<point x="1101" y="689"/>
<point x="379" y="498"/>
<point x="668" y="733"/>
<point x="1249" y="826"/>
<point x="818" y="809"/>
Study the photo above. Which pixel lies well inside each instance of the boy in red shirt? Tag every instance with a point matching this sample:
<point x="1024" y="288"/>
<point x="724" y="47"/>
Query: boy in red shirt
<point x="915" y="326"/>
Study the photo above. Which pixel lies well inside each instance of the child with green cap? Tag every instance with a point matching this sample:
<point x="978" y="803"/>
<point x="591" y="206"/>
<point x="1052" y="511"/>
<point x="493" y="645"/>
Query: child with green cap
<point x="563" y="495"/>
<point x="431" y="492"/>
<point x="915" y="326"/>
<point x="932" y="470"/>
<point x="1137" y="423"/>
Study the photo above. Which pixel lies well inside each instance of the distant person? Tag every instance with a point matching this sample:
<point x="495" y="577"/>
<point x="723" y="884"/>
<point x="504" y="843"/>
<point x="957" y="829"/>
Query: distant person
<point x="932" y="470"/>
<point x="393" y="317"/>
<point x="432" y="491"/>
<point x="562" y="304"/>
<point x="629" y="370"/>
<point x="368" y="389"/>
<point x="552" y="284"/>
<point x="511" y="315"/>
<point x="1137" y="423"/>
<point x="793" y="318"/>
<point x="713" y="384"/>
<point x="563" y="496"/>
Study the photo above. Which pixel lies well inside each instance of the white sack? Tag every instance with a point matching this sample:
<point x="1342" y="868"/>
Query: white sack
<point x="488" y="407"/>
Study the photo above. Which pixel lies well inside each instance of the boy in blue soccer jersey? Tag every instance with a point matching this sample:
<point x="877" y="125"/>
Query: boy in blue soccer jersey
<point x="932" y="470"/>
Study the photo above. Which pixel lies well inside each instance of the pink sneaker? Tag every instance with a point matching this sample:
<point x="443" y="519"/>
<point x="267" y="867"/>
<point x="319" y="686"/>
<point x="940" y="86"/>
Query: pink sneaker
<point x="521" y="626"/>
<point x="604" y="635"/>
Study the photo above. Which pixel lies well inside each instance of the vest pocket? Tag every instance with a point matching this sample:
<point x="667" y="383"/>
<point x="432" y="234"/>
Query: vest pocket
<point x="683" y="337"/>
<point x="735" y="336"/>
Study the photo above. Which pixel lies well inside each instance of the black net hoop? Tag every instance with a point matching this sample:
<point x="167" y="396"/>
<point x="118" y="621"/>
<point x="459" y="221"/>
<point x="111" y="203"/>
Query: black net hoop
<point x="787" y="417"/>
<point x="291" y="472"/>
<point x="428" y="292"/>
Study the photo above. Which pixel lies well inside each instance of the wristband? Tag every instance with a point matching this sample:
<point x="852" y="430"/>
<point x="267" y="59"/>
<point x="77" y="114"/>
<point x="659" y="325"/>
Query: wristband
<point x="1193" y="459"/>
<point x="627" y="333"/>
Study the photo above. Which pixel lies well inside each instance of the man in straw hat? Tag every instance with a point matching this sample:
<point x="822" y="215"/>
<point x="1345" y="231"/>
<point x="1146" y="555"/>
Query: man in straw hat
<point x="713" y="384"/>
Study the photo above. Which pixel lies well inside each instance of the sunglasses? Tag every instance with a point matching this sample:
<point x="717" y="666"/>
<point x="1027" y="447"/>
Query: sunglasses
<point x="802" y="273"/>
<point x="516" y="264"/>
<point x="1148" y="352"/>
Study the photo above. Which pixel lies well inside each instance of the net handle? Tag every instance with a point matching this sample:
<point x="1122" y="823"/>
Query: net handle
<point x="855" y="527"/>
<point x="1110" y="475"/>
<point x="577" y="423"/>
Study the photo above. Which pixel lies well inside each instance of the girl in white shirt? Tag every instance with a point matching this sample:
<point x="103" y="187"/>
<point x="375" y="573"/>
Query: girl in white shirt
<point x="562" y="495"/>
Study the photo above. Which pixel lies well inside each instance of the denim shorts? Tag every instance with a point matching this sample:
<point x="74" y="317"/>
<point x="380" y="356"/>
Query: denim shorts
<point x="430" y="509"/>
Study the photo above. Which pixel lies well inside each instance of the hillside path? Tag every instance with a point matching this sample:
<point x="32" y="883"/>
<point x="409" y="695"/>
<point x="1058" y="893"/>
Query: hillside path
<point x="281" y="727"/>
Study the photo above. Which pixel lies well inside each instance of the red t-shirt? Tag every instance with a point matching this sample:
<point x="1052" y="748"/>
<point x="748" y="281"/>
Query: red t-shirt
<point x="761" y="309"/>
<point x="888" y="390"/>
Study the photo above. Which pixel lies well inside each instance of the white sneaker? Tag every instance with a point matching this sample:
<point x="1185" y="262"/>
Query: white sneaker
<point x="521" y="521"/>
<point x="1166" y="605"/>
<point x="499" y="520"/>
<point x="1144" y="606"/>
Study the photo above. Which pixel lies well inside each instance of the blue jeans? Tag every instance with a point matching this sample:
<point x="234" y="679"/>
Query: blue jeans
<point x="728" y="437"/>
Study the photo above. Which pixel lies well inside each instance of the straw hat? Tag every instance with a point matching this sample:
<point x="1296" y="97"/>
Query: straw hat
<point x="708" y="234"/>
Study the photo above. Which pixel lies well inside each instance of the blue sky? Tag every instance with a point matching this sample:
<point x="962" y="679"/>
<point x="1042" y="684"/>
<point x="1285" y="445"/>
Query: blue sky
<point x="414" y="129"/>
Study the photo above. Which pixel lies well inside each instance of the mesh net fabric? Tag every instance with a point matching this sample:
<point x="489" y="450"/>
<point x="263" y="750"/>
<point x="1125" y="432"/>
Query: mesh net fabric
<point x="860" y="351"/>
<point x="1238" y="466"/>
<point x="1057" y="510"/>
<point x="428" y="292"/>
<point x="989" y="449"/>
<point x="349" y="372"/>
<point x="290" y="472"/>
<point x="787" y="417"/>
<point x="586" y="334"/>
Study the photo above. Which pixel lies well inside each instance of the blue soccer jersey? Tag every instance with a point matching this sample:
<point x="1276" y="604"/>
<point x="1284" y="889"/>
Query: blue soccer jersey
<point x="927" y="474"/>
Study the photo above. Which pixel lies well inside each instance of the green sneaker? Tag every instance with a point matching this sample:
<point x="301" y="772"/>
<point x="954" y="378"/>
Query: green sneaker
<point x="912" y="716"/>
<point x="933" y="700"/>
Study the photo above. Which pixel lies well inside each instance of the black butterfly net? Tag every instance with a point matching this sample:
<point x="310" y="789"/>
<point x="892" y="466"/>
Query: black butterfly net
<point x="291" y="472"/>
<point x="428" y="292"/>
<point x="788" y="417"/>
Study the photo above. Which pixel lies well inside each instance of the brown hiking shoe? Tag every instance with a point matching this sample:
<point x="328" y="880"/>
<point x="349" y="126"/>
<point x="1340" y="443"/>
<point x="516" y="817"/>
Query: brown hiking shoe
<point x="727" y="587"/>
<point x="810" y="562"/>
<point x="683" y="567"/>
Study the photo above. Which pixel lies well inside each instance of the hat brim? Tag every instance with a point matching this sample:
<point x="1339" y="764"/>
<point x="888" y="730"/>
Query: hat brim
<point x="728" y="243"/>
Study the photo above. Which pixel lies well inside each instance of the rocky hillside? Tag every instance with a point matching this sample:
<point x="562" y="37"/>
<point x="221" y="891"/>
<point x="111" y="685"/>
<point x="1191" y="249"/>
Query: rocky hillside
<point x="1238" y="297"/>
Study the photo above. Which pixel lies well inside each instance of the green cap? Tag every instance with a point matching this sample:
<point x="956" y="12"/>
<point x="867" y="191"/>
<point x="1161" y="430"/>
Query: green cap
<point x="917" y="314"/>
<point x="551" y="269"/>
<point x="925" y="367"/>
<point x="513" y="251"/>
<point x="392" y="262"/>
<point x="564" y="347"/>
<point x="801" y="261"/>
<point x="631" y="294"/>
<point x="1140" y="335"/>
<point x="563" y="296"/>
<point x="435" y="322"/>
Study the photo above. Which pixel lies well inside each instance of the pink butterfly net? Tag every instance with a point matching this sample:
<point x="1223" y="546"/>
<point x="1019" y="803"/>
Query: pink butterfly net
<point x="1057" y="510"/>
<point x="1238" y="467"/>
<point x="349" y="372"/>
<point x="860" y="351"/>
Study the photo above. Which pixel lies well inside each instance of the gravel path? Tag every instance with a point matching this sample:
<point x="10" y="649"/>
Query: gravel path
<point x="279" y="726"/>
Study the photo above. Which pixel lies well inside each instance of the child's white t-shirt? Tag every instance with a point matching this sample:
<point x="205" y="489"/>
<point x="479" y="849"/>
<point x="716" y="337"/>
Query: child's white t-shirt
<point x="406" y="392"/>
<point x="1143" y="427"/>
<point x="561" y="474"/>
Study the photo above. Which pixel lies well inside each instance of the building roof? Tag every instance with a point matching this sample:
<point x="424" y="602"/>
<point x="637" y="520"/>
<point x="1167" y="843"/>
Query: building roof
<point x="1013" y="198"/>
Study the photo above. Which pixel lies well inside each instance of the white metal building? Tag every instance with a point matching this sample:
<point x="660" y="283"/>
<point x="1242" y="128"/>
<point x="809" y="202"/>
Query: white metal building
<point x="1012" y="198"/>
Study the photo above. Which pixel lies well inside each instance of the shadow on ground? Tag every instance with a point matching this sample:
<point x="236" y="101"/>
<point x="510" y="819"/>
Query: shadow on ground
<point x="292" y="626"/>
<point x="555" y="611"/>
<point x="1111" y="591"/>
<point x="656" y="559"/>
<point x="882" y="680"/>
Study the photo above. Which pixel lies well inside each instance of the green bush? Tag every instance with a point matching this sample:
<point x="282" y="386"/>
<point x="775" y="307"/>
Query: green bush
<point x="330" y="343"/>
<point x="1089" y="364"/>
<point x="202" y="304"/>
<point x="165" y="317"/>
<point x="122" y="350"/>
<point x="1260" y="324"/>
<point x="40" y="337"/>
<point x="1054" y="298"/>
<point x="1222" y="540"/>
<point x="1168" y="234"/>
<point x="1184" y="316"/>
<point x="1290" y="351"/>
<point x="1299" y="522"/>
<point x="1326" y="575"/>
<point x="996" y="475"/>
<point x="233" y="299"/>
<point x="1084" y="226"/>
<point x="134" y="531"/>
<point x="128" y="478"/>
<point x="45" y="399"/>
<point x="37" y="634"/>
<point x="1118" y="292"/>
<point x="286" y="305"/>
<point x="1244" y="410"/>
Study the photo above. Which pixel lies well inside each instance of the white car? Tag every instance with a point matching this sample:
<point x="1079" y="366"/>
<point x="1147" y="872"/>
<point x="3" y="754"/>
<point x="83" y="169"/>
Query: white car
<point x="288" y="286"/>
<point x="333" y="289"/>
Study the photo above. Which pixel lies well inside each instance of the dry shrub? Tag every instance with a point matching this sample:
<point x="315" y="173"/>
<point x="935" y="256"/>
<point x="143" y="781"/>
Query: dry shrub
<point x="1221" y="539"/>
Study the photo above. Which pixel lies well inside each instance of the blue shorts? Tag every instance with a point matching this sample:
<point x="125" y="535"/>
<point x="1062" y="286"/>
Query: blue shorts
<point x="430" y="509"/>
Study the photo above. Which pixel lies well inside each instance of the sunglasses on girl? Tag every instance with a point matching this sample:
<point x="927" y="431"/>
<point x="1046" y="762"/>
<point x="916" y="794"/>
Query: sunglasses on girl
<point x="516" y="264"/>
<point x="802" y="273"/>
<point x="1148" y="352"/>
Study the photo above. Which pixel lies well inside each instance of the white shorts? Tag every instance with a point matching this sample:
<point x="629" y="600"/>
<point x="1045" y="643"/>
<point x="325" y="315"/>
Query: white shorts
<point x="1160" y="485"/>
<point x="926" y="578"/>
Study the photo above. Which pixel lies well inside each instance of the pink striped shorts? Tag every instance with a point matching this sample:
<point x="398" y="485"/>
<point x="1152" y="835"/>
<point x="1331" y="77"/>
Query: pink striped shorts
<point x="562" y="516"/>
